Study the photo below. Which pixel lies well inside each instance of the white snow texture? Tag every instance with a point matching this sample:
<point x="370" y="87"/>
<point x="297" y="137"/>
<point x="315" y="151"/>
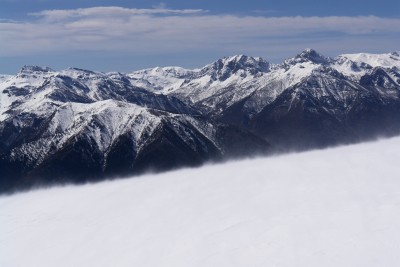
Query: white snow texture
<point x="336" y="207"/>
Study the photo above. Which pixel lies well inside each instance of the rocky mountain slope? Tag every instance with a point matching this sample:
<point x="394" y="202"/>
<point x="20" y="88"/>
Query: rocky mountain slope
<point x="307" y="101"/>
<point x="79" y="125"/>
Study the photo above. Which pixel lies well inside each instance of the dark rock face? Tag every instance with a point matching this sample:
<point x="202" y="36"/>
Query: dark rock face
<point x="82" y="126"/>
<point x="324" y="110"/>
<point x="308" y="55"/>
<point x="297" y="121"/>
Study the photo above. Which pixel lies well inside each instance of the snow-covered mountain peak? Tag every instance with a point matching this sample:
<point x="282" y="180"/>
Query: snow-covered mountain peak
<point x="171" y="71"/>
<point x="160" y="80"/>
<point x="355" y="66"/>
<point x="240" y="62"/>
<point x="244" y="60"/>
<point x="314" y="56"/>
<point x="28" y="69"/>
<point x="78" y="73"/>
<point x="221" y="73"/>
<point x="308" y="55"/>
<point x="388" y="60"/>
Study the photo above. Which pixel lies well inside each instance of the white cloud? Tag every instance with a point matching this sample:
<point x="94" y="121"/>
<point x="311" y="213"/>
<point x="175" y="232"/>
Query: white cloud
<point x="162" y="30"/>
<point x="110" y="11"/>
<point x="336" y="207"/>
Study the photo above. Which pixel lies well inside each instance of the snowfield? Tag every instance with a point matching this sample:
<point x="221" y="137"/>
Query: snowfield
<point x="336" y="207"/>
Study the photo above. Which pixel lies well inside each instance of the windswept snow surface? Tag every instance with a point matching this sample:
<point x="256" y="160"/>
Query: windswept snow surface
<point x="376" y="60"/>
<point x="336" y="207"/>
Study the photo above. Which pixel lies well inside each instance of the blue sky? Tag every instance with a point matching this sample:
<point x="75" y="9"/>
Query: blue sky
<point x="129" y="35"/>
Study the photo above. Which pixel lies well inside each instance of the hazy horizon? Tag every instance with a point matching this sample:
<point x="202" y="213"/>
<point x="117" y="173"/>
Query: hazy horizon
<point x="130" y="35"/>
<point x="193" y="68"/>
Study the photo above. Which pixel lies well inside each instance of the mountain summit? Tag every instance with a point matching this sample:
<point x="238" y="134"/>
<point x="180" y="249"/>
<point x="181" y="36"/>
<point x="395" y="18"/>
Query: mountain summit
<point x="309" y="55"/>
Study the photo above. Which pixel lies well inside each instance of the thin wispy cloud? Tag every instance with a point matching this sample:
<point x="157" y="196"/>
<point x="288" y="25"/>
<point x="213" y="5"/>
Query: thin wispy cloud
<point x="107" y="12"/>
<point x="175" y="30"/>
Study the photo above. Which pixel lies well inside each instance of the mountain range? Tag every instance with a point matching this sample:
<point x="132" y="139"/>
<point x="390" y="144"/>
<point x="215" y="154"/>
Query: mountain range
<point x="77" y="125"/>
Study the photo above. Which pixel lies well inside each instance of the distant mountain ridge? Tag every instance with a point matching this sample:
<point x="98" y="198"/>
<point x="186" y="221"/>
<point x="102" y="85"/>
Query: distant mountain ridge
<point x="80" y="125"/>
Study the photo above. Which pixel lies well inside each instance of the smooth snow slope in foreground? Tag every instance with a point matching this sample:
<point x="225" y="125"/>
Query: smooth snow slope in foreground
<point x="338" y="207"/>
